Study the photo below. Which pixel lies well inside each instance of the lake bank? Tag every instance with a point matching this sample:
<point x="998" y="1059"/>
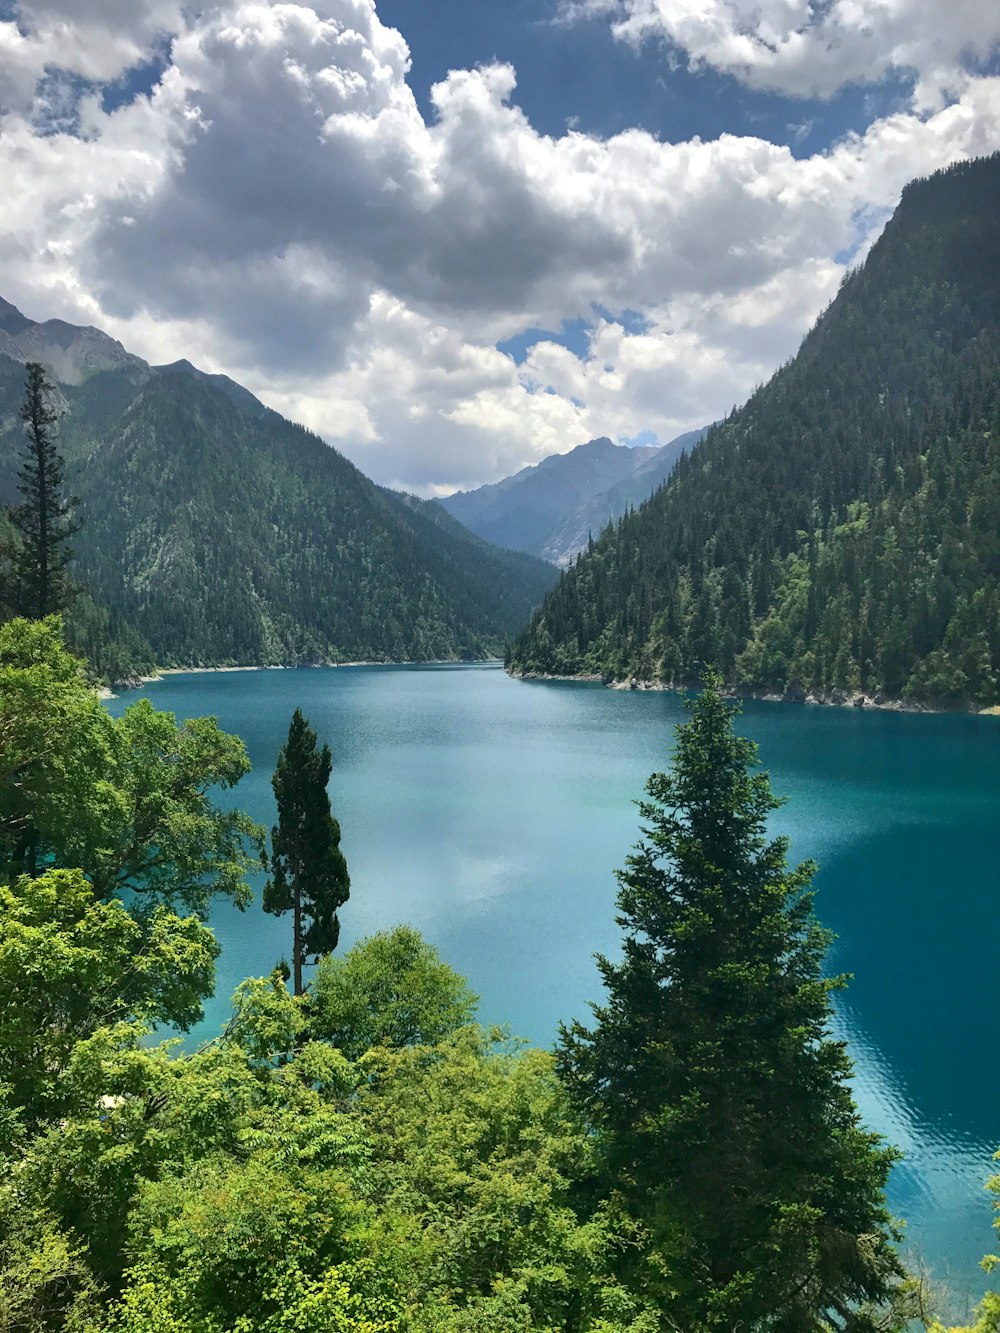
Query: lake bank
<point x="821" y="698"/>
<point x="109" y="692"/>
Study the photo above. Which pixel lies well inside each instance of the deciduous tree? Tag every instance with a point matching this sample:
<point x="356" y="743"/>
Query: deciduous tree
<point x="392" y="987"/>
<point x="126" y="800"/>
<point x="70" y="964"/>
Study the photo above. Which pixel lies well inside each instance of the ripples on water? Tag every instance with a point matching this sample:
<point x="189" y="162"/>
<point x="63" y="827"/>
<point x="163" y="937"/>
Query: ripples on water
<point x="491" y="813"/>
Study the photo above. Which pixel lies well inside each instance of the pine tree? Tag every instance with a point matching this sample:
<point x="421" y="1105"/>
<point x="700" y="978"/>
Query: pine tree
<point x="308" y="871"/>
<point x="729" y="1126"/>
<point x="39" y="584"/>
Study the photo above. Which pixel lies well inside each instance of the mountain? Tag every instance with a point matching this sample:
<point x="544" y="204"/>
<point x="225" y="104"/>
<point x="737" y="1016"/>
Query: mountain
<point x="840" y="534"/>
<point x="70" y="352"/>
<point x="227" y="535"/>
<point x="592" y="516"/>
<point x="551" y="508"/>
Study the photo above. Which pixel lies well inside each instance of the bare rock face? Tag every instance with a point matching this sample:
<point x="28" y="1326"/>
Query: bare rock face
<point x="71" y="353"/>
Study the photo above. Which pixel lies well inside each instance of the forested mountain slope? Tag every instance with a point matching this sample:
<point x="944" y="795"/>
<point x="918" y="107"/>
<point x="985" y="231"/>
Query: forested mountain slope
<point x="841" y="531"/>
<point x="227" y="534"/>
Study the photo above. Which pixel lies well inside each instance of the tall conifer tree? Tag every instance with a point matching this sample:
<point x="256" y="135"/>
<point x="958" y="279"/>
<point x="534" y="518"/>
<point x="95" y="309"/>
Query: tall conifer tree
<point x="39" y="584"/>
<point x="729" y="1126"/>
<point x="308" y="871"/>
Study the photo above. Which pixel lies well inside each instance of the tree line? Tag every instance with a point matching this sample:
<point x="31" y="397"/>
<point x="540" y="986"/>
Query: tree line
<point x="229" y="536"/>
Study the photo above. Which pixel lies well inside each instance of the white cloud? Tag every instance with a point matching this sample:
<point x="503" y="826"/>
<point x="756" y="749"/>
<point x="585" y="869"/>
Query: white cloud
<point x="96" y="40"/>
<point x="812" y="48"/>
<point x="279" y="209"/>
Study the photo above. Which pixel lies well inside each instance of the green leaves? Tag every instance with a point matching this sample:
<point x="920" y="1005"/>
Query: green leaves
<point x="126" y="800"/>
<point x="393" y="988"/>
<point x="70" y="964"/>
<point x="163" y="836"/>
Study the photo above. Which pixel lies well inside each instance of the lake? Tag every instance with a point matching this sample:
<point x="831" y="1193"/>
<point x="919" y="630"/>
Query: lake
<point x="491" y="813"/>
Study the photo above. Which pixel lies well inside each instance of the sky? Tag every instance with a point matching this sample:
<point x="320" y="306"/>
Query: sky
<point x="455" y="236"/>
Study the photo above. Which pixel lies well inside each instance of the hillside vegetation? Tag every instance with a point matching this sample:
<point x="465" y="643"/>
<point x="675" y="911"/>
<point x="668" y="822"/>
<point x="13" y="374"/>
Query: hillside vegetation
<point x="841" y="531"/>
<point x="224" y="534"/>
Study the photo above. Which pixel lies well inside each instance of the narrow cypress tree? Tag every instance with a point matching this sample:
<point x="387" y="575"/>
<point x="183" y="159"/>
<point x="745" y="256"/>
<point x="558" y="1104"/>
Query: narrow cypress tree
<point x="729" y="1127"/>
<point x="308" y="871"/>
<point x="39" y="584"/>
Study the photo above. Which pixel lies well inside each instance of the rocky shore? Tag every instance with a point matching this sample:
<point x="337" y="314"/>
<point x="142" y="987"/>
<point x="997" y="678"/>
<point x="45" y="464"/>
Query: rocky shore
<point x="794" y="694"/>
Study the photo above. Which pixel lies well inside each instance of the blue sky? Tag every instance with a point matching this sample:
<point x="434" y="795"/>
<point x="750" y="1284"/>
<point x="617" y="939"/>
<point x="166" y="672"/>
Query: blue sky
<point x="454" y="236"/>
<point x="571" y="75"/>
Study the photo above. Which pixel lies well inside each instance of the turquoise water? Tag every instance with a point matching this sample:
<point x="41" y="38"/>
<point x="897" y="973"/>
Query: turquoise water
<point x="490" y="813"/>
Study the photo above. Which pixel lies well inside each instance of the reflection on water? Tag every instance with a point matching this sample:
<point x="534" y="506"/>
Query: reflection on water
<point x="938" y="1188"/>
<point x="491" y="813"/>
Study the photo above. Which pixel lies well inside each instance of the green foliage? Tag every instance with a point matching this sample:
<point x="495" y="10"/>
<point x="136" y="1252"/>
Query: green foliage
<point x="45" y="1281"/>
<point x="437" y="1198"/>
<point x="37" y="581"/>
<point x="263" y="1183"/>
<point x="841" y="531"/>
<point x="70" y="964"/>
<point x="124" y="799"/>
<point x="475" y="1151"/>
<point x="55" y="741"/>
<point x="272" y="547"/>
<point x="728" y="1123"/>
<point x="365" y="1158"/>
<point x="130" y="1114"/>
<point x="308" y="872"/>
<point x="163" y="836"/>
<point x="114" y="650"/>
<point x="392" y="987"/>
<point x="267" y="1022"/>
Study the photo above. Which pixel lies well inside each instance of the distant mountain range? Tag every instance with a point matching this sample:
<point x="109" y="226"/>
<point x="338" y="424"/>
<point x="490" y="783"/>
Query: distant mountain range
<point x="227" y="535"/>
<point x="552" y="508"/>
<point x="838" y="536"/>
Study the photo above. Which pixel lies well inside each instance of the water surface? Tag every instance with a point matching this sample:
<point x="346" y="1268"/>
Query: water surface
<point x="491" y="813"/>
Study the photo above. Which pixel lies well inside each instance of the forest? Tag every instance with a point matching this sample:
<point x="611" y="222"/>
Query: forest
<point x="214" y="532"/>
<point x="839" y="535"/>
<point x="363" y="1155"/>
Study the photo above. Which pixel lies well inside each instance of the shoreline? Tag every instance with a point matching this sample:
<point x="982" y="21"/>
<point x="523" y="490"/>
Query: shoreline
<point x="817" y="698"/>
<point x="111" y="692"/>
<point x="820" y="699"/>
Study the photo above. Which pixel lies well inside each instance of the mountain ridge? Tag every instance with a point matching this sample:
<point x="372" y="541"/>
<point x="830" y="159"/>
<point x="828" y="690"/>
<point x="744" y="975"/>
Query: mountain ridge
<point x="551" y="508"/>
<point x="839" y="535"/>
<point x="230" y="536"/>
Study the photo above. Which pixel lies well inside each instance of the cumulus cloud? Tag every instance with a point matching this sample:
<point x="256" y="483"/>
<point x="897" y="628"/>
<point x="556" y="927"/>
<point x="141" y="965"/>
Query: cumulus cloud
<point x="97" y="41"/>
<point x="812" y="48"/>
<point x="278" y="208"/>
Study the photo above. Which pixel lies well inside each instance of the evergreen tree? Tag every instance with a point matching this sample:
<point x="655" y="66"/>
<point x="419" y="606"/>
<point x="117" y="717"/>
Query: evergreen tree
<point x="730" y="1128"/>
<point x="309" y="873"/>
<point x="39" y="584"/>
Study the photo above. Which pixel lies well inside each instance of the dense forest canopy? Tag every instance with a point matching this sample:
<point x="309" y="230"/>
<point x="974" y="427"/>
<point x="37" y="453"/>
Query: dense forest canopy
<point x="841" y="531"/>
